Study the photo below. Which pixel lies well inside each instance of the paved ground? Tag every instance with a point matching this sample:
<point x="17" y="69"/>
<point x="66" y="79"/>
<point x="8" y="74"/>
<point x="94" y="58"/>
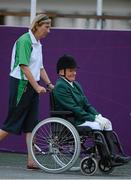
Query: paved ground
<point x="13" y="166"/>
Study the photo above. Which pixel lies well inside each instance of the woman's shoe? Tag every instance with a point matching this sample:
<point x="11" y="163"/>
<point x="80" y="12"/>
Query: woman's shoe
<point x="120" y="159"/>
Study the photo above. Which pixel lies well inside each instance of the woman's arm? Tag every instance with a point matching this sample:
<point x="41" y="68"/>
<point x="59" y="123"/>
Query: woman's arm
<point x="39" y="89"/>
<point x="46" y="79"/>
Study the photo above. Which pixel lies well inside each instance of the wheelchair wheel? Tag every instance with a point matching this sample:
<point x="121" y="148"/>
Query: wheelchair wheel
<point x="55" y="145"/>
<point x="88" y="166"/>
<point x="105" y="166"/>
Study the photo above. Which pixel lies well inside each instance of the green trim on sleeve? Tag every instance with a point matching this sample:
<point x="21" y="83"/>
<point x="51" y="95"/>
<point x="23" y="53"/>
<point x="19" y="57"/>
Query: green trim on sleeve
<point x="23" y="51"/>
<point x="23" y="54"/>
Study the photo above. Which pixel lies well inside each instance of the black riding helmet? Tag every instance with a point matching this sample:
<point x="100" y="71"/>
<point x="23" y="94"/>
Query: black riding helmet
<point x="66" y="61"/>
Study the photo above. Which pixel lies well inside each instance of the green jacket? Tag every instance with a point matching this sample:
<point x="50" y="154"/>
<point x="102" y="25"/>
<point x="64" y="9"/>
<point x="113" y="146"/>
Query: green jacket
<point x="73" y="99"/>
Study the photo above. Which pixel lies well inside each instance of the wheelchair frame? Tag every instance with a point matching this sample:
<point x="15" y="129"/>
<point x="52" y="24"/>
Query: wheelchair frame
<point x="56" y="146"/>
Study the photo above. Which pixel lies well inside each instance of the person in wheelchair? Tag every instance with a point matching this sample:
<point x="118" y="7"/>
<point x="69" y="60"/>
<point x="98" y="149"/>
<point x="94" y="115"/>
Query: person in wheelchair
<point x="69" y="96"/>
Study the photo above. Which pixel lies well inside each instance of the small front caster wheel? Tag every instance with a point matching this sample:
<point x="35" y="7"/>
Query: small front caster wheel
<point x="88" y="166"/>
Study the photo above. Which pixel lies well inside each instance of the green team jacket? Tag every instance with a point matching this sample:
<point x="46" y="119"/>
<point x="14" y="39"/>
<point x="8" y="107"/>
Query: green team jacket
<point x="73" y="99"/>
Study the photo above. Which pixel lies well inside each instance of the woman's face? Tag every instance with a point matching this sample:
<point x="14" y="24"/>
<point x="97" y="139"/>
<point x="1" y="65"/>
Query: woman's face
<point x="42" y="31"/>
<point x="70" y="74"/>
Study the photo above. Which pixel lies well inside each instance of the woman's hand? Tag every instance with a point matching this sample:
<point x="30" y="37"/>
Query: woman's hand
<point x="40" y="90"/>
<point x="50" y="86"/>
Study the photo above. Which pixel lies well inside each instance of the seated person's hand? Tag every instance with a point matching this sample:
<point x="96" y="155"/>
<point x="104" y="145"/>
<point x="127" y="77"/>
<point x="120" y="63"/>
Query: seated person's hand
<point x="103" y="122"/>
<point x="108" y="123"/>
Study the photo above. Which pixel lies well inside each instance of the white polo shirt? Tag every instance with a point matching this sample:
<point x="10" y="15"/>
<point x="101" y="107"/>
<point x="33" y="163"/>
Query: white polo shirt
<point x="27" y="51"/>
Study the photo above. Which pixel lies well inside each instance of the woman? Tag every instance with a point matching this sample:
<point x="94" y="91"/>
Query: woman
<point x="26" y="71"/>
<point x="69" y="96"/>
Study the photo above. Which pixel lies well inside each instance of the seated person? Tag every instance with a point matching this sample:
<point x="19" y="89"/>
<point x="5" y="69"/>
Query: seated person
<point x="69" y="96"/>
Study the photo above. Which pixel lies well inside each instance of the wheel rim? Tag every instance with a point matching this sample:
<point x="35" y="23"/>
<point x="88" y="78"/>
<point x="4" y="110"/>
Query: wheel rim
<point x="56" y="145"/>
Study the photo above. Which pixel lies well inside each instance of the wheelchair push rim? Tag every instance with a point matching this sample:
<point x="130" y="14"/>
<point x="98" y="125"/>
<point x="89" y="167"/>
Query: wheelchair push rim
<point x="55" y="145"/>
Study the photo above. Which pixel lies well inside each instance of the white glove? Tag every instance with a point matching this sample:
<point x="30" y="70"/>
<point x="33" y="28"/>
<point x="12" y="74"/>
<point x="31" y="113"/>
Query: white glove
<point x="101" y="122"/>
<point x="107" y="124"/>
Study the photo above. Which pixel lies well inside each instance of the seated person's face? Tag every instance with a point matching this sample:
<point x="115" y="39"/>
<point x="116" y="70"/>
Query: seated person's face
<point x="70" y="74"/>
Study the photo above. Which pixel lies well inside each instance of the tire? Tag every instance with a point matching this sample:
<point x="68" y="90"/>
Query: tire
<point x="55" y="145"/>
<point x="89" y="166"/>
<point x="105" y="166"/>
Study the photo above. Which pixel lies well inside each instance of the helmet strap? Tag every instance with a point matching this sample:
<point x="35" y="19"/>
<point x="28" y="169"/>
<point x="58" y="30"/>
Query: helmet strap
<point x="64" y="76"/>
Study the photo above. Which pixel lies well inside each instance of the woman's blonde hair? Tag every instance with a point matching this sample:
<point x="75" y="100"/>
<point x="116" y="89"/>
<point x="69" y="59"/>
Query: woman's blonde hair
<point x="39" y="20"/>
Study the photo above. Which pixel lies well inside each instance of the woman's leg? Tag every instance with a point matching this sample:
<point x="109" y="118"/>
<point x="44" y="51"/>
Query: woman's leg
<point x="92" y="125"/>
<point x="109" y="139"/>
<point x="3" y="134"/>
<point x="112" y="147"/>
<point x="30" y="162"/>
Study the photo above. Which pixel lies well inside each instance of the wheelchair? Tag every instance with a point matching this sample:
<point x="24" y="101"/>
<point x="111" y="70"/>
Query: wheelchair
<point x="57" y="145"/>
